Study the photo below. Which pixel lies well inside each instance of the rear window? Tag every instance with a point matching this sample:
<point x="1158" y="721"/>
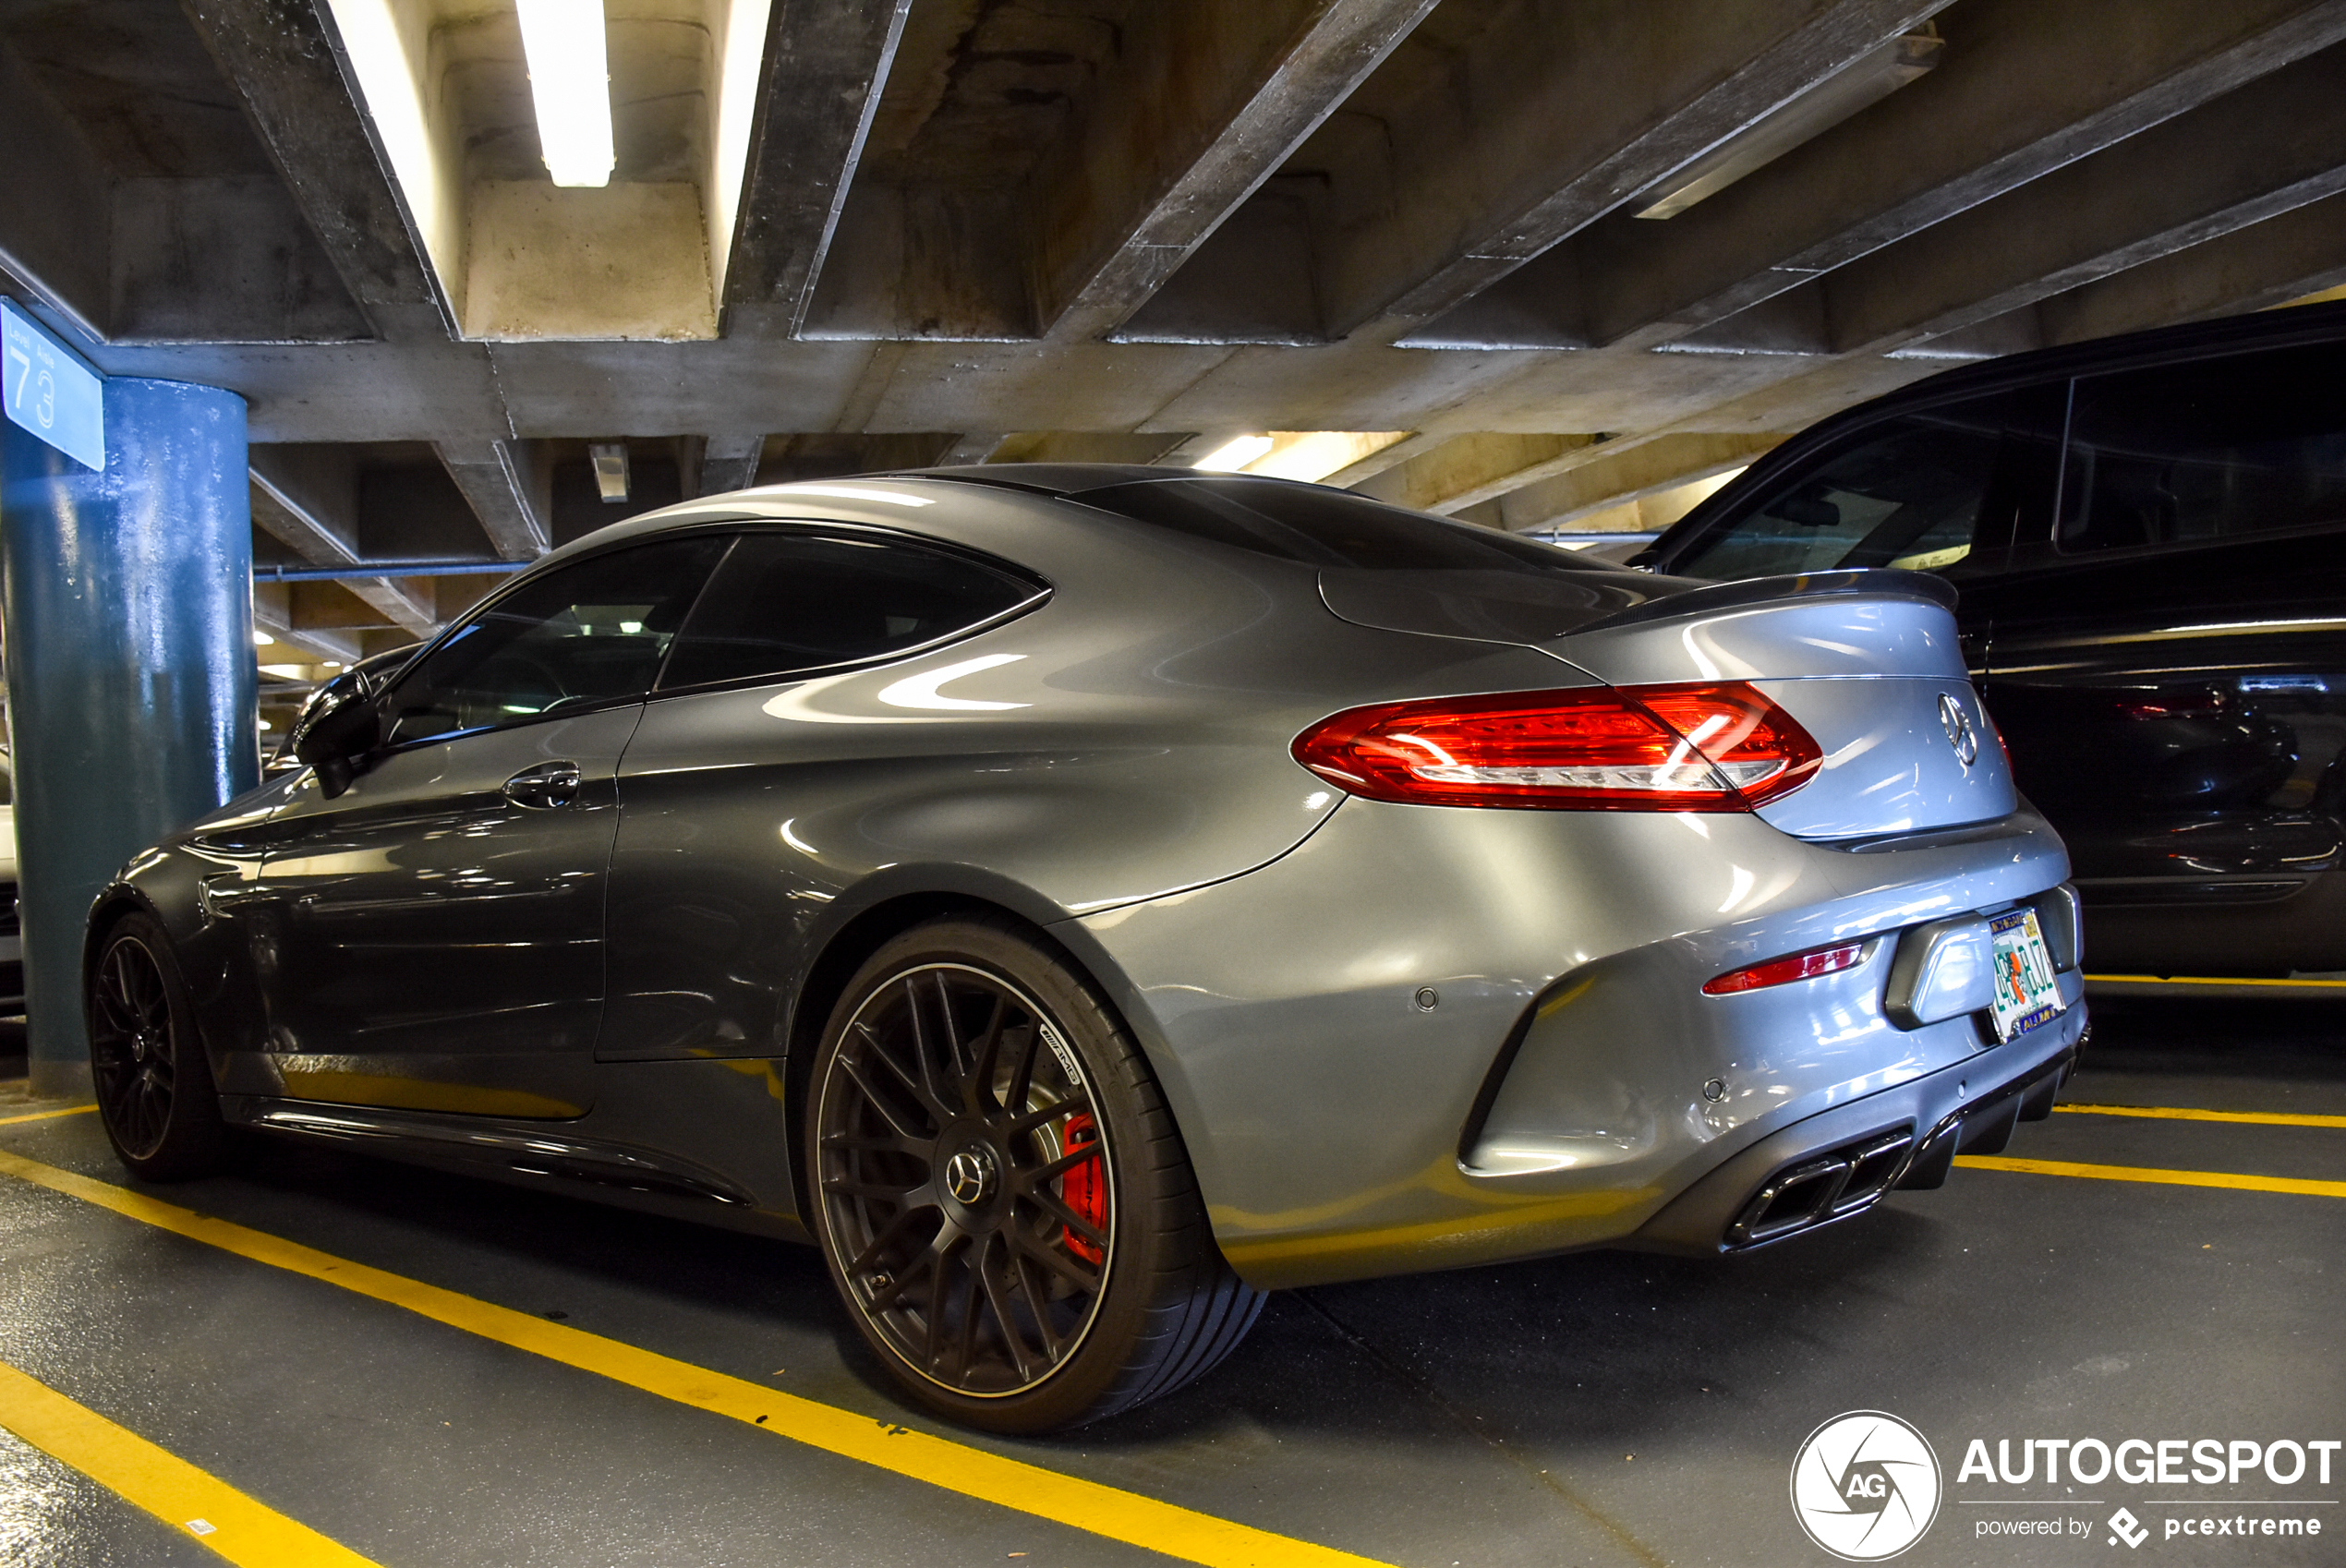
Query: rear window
<point x="2202" y="454"/>
<point x="1910" y="493"/>
<point x="785" y="603"/>
<point x="1316" y="526"/>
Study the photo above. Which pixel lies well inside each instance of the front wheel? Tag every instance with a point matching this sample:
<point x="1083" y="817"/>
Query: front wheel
<point x="155" y="1087"/>
<point x="1001" y="1195"/>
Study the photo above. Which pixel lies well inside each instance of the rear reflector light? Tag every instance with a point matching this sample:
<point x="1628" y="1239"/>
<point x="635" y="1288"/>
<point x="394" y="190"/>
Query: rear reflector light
<point x="1781" y="972"/>
<point x="1715" y="747"/>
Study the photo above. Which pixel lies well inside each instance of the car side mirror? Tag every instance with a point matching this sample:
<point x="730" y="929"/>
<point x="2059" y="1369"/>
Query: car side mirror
<point x="342" y="726"/>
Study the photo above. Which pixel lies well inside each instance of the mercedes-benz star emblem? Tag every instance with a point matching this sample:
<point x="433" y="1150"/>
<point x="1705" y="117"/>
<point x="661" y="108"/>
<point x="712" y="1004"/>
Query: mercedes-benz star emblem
<point x="1960" y="733"/>
<point x="969" y="1177"/>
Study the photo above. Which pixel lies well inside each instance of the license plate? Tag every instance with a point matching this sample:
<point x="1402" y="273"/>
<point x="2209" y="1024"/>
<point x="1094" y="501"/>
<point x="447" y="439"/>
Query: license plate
<point x="2026" y="992"/>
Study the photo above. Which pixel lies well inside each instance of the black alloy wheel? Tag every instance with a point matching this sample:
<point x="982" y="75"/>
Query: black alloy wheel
<point x="155" y="1087"/>
<point x="986" y="1152"/>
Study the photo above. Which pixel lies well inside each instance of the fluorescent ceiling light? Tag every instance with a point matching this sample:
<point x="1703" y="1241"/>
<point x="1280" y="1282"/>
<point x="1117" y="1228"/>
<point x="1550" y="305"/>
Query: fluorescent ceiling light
<point x="609" y="459"/>
<point x="262" y="639"/>
<point x="1231" y="456"/>
<point x="1315" y="455"/>
<point x="1862" y="82"/>
<point x="570" y="84"/>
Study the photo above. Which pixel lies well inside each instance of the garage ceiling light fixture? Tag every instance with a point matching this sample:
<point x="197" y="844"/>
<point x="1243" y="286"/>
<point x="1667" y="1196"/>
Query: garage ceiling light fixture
<point x="611" y="469"/>
<point x="1863" y="82"/>
<point x="570" y="84"/>
<point x="1231" y="456"/>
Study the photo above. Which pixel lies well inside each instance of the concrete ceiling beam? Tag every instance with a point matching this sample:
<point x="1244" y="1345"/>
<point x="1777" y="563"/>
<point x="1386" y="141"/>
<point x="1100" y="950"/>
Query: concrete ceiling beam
<point x="823" y="62"/>
<point x="272" y="612"/>
<point x="213" y="252"/>
<point x="509" y="485"/>
<point x="2025" y="87"/>
<point x="286" y="67"/>
<point x="1574" y="108"/>
<point x="1085" y="446"/>
<point x="1376" y="462"/>
<point x="1611" y="479"/>
<point x="729" y="462"/>
<point x="306" y="498"/>
<point x="2302" y="251"/>
<point x="1164" y="151"/>
<point x="2252" y="154"/>
<point x="970" y="446"/>
<point x="334" y="607"/>
<point x="56" y="231"/>
<point x="1464" y="470"/>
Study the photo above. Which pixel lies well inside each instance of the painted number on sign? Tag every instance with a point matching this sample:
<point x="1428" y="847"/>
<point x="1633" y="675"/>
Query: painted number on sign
<point x="49" y="390"/>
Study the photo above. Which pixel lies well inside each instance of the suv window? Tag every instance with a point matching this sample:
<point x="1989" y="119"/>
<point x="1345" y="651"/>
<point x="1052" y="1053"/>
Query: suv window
<point x="588" y="634"/>
<point x="784" y="603"/>
<point x="2200" y="452"/>
<point x="1910" y="493"/>
<point x="1319" y="526"/>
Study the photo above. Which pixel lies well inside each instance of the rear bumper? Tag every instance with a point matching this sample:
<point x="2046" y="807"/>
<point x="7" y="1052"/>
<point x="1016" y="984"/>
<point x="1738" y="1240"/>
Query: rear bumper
<point x="1837" y="1165"/>
<point x="1431" y="1038"/>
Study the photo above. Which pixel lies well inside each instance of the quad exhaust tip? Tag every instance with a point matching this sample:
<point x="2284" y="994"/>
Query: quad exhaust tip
<point x="1842" y="1181"/>
<point x="1830" y="1186"/>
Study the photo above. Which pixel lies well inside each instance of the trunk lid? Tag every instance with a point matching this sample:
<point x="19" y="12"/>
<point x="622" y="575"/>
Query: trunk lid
<point x="1868" y="661"/>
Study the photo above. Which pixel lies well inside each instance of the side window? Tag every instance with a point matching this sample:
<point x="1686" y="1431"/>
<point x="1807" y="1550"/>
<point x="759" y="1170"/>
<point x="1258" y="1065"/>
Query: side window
<point x="588" y="634"/>
<point x="1913" y="493"/>
<point x="2203" y="452"/>
<point x="784" y="602"/>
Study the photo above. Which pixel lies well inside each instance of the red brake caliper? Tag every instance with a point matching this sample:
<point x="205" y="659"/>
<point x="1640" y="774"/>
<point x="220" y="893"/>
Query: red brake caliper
<point x="1082" y="1186"/>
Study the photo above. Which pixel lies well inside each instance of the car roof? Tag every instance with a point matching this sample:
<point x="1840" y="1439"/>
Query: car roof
<point x="2298" y="326"/>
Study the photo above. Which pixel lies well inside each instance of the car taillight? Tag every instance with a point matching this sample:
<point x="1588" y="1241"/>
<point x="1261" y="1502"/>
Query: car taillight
<point x="1781" y="972"/>
<point x="1713" y="747"/>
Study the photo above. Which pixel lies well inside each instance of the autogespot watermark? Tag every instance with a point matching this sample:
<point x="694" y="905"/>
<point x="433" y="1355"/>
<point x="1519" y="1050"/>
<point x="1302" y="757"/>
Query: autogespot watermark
<point x="1865" y="1486"/>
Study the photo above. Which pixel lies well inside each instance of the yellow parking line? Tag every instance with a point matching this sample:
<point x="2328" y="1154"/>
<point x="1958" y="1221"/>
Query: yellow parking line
<point x="956" y="1468"/>
<point x="2190" y="1114"/>
<point x="190" y="1501"/>
<point x="2162" y="1178"/>
<point x="47" y="1115"/>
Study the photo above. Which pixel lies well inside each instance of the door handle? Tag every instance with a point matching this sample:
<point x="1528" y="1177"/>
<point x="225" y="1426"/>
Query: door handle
<point x="548" y="787"/>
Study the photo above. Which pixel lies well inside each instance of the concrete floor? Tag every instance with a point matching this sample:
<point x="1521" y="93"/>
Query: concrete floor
<point x="1597" y="1409"/>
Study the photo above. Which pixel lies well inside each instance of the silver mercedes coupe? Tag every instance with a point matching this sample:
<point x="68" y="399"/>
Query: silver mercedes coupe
<point x="1080" y="899"/>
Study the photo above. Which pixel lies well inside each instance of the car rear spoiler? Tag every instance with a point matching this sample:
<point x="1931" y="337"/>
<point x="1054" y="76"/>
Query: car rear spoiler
<point x="1872" y="583"/>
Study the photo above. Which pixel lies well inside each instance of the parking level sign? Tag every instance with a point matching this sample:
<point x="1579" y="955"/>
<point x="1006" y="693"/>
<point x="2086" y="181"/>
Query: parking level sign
<point x="49" y="390"/>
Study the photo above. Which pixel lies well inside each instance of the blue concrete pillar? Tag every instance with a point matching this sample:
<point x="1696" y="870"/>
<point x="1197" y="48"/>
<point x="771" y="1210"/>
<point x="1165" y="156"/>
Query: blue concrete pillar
<point x="127" y="607"/>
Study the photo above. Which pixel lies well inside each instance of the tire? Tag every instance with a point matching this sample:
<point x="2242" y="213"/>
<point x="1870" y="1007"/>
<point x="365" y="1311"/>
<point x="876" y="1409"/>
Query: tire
<point x="1000" y="1193"/>
<point x="155" y="1093"/>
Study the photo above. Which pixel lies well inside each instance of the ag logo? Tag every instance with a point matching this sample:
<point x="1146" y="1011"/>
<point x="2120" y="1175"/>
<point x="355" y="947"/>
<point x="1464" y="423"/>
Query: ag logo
<point x="1865" y="1486"/>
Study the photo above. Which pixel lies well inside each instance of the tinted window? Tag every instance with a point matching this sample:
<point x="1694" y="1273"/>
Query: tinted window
<point x="1909" y="494"/>
<point x="2195" y="453"/>
<point x="1324" y="527"/>
<point x="586" y="634"/>
<point x="788" y="602"/>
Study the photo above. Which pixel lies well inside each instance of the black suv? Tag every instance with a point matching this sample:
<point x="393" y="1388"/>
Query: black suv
<point x="2149" y="535"/>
